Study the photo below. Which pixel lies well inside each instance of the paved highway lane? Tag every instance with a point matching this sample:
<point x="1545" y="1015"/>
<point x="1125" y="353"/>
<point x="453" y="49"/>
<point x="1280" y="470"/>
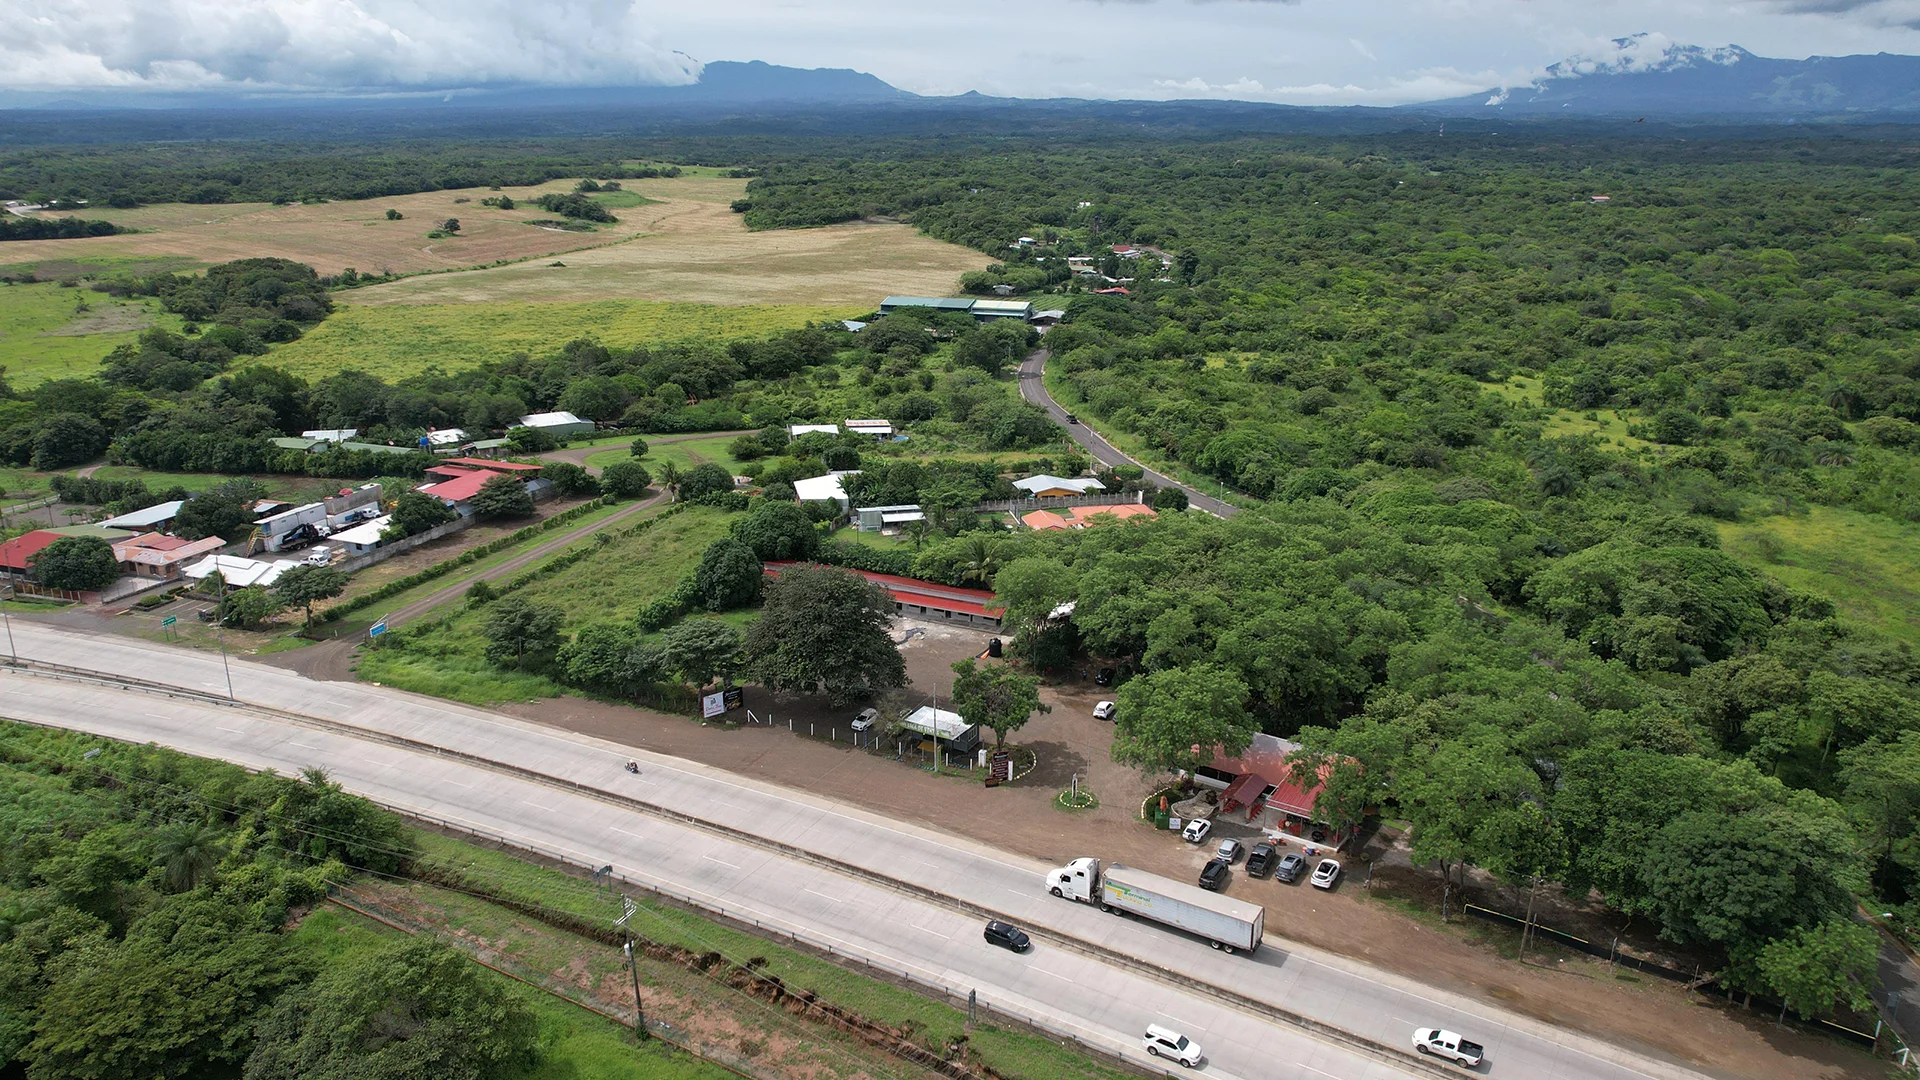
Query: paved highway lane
<point x="1034" y="388"/>
<point x="1066" y="990"/>
<point x="1373" y="1004"/>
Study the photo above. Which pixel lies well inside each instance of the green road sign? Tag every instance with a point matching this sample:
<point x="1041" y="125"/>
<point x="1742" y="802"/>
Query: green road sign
<point x="168" y="621"/>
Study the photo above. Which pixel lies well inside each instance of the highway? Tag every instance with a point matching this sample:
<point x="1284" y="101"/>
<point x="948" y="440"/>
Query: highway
<point x="903" y="897"/>
<point x="1033" y="387"/>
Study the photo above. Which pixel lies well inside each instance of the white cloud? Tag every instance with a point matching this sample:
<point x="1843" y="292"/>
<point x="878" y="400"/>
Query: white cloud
<point x="1428" y="85"/>
<point x="333" y="44"/>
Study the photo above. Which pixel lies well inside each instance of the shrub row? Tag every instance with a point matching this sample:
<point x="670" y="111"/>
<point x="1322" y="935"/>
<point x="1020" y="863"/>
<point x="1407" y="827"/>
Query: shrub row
<point x="465" y="558"/>
<point x="854" y="556"/>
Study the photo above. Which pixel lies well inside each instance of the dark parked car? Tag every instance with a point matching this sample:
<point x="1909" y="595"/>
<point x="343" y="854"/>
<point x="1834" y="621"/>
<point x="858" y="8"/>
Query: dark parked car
<point x="1213" y="876"/>
<point x="1290" y="867"/>
<point x="1261" y="859"/>
<point x="1104" y="677"/>
<point x="1008" y="937"/>
<point x="1072" y="419"/>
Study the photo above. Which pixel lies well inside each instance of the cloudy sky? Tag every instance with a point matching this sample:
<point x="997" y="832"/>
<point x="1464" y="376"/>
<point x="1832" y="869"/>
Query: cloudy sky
<point x="1300" y="51"/>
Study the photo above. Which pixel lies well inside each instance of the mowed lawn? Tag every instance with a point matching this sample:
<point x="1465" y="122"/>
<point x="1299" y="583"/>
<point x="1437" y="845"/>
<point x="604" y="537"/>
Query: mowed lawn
<point x="1869" y="565"/>
<point x="449" y="659"/>
<point x="684" y="455"/>
<point x="45" y="336"/>
<point x="395" y="341"/>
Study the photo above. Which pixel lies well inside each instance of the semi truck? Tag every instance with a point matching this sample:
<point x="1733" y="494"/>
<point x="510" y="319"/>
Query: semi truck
<point x="1226" y="923"/>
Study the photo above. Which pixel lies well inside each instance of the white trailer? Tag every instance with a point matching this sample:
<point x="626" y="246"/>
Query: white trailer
<point x="1226" y="923"/>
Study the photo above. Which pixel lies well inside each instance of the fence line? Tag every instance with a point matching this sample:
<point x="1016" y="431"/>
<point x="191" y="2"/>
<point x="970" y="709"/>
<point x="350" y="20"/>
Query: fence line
<point x="1047" y="502"/>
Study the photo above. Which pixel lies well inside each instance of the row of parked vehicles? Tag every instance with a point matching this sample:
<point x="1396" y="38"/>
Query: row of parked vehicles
<point x="1266" y="858"/>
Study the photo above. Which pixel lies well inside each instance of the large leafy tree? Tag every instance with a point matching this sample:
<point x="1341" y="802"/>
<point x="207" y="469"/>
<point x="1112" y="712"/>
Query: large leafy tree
<point x="225" y="510"/>
<point x="1177" y="719"/>
<point x="415" y="1008"/>
<point x="302" y="585"/>
<point x="414" y="513"/>
<point x="1816" y="969"/>
<point x="502" y="497"/>
<point x="613" y="658"/>
<point x="76" y="562"/>
<point x="517" y="629"/>
<point x="825" y="630"/>
<point x="995" y="696"/>
<point x="778" y="530"/>
<point x="704" y="479"/>
<point x="701" y="649"/>
<point x="729" y="575"/>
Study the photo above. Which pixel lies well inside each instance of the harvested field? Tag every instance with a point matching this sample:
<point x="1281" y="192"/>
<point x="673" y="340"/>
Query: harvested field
<point x="695" y="248"/>
<point x="394" y="341"/>
<point x="44" y="335"/>
<point x="333" y="236"/>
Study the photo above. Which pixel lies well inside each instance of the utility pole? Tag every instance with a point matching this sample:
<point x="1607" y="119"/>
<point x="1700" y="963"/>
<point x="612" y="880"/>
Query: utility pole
<point x="633" y="966"/>
<point x="220" y="631"/>
<point x="13" y="655"/>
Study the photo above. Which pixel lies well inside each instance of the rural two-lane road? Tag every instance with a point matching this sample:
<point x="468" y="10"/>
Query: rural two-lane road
<point x="901" y="896"/>
<point x="1033" y="387"/>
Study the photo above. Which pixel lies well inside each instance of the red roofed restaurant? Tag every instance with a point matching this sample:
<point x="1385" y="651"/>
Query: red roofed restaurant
<point x="1266" y="786"/>
<point x="16" y="555"/>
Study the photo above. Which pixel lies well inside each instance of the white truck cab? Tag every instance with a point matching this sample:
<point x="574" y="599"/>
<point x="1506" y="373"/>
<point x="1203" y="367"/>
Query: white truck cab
<point x="1078" y="880"/>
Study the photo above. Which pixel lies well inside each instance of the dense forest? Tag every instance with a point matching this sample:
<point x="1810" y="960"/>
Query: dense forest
<point x="148" y="903"/>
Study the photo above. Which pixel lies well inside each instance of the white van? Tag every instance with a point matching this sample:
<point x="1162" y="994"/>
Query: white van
<point x="319" y="556"/>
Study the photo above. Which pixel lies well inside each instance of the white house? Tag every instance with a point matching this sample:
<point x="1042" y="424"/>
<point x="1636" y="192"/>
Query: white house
<point x="239" y="573"/>
<point x="874" y="429"/>
<point x="824" y="488"/>
<point x="444" y="440"/>
<point x="361" y="538"/>
<point x="794" y="431"/>
<point x="331" y="434"/>
<point x="557" y="424"/>
<point x="158" y="516"/>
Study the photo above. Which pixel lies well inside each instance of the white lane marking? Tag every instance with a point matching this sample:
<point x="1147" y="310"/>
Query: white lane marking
<point x="931" y="930"/>
<point x="1044" y="971"/>
<point x="303" y="746"/>
<point x="538" y="806"/>
<point x="821" y="895"/>
<point x="1311" y="1069"/>
<point x="722" y="862"/>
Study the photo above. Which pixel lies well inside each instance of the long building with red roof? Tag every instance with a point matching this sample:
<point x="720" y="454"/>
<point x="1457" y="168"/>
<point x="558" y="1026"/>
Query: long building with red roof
<point x="926" y="599"/>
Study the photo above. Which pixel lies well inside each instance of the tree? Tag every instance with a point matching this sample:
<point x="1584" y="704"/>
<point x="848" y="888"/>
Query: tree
<point x="778" y="530"/>
<point x="76" y="562"/>
<point x="627" y="479"/>
<point x="414" y="1008"/>
<point x="612" y="657"/>
<point x="700" y="649"/>
<point x="1739" y="879"/>
<point x="225" y="510"/>
<point x="638" y="448"/>
<point x="502" y="497"/>
<point x="531" y="440"/>
<point x="1817" y="969"/>
<point x="569" y="479"/>
<point x="250" y="607"/>
<point x="186" y="854"/>
<point x="670" y="478"/>
<point x="705" y="479"/>
<point x="302" y="585"/>
<point x="1177" y="719"/>
<point x="982" y="556"/>
<point x="414" y="513"/>
<point x="996" y="696"/>
<point x="825" y="630"/>
<point x="517" y="628"/>
<point x="67" y="439"/>
<point x="1169" y="498"/>
<point x="394" y="215"/>
<point x="729" y="575"/>
<point x="451" y="225"/>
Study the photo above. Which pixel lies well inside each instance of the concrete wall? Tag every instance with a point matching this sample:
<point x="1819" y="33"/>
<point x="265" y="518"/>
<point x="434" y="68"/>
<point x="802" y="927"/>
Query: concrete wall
<point x="382" y="554"/>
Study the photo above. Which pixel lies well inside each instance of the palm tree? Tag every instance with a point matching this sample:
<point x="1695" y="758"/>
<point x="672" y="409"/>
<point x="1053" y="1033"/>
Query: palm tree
<point x="1777" y="448"/>
<point x="1557" y="479"/>
<point x="186" y="853"/>
<point x="981" y="558"/>
<point x="1833" y="454"/>
<point x="670" y="478"/>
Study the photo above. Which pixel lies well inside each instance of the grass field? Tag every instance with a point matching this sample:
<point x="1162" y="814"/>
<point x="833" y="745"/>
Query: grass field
<point x="1868" y="565"/>
<point x="43" y="336"/>
<point x="394" y="341"/>
<point x="449" y="660"/>
<point x="620" y="200"/>
<point x="684" y="455"/>
<point x="332" y="236"/>
<point x="695" y="248"/>
<point x="1609" y="424"/>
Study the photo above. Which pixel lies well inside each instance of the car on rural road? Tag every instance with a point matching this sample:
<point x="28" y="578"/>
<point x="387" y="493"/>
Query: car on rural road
<point x="1449" y="1045"/>
<point x="1228" y="851"/>
<point x="1290" y="867"/>
<point x="1260" y="859"/>
<point x="1213" y="876"/>
<point x="1104" y="710"/>
<point x="1326" y="874"/>
<point x="1197" y="830"/>
<point x="1168" y="1043"/>
<point x="1008" y="936"/>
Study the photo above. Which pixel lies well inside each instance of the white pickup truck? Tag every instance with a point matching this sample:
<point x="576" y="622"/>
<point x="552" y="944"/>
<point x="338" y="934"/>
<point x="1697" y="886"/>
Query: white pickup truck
<point x="1447" y="1044"/>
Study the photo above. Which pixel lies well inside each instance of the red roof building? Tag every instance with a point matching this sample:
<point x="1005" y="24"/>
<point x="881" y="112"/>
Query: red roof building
<point x="16" y="555"/>
<point x="460" y="488"/>
<point x="157" y="555"/>
<point x="1262" y="779"/>
<point x="489" y="463"/>
<point x="924" y="599"/>
<point x="1081" y="517"/>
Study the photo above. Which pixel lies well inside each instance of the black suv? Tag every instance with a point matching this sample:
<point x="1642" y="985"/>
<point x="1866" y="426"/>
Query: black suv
<point x="1260" y="860"/>
<point x="1213" y="876"/>
<point x="1290" y="867"/>
<point x="1008" y="937"/>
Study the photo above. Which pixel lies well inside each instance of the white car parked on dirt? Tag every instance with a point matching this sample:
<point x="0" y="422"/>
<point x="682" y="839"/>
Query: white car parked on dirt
<point x="1197" y="830"/>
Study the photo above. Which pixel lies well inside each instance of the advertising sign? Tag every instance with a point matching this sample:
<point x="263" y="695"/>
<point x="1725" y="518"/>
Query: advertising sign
<point x="713" y="704"/>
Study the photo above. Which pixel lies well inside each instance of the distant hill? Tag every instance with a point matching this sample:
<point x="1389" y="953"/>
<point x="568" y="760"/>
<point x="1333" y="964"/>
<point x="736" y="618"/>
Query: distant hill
<point x="1642" y="76"/>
